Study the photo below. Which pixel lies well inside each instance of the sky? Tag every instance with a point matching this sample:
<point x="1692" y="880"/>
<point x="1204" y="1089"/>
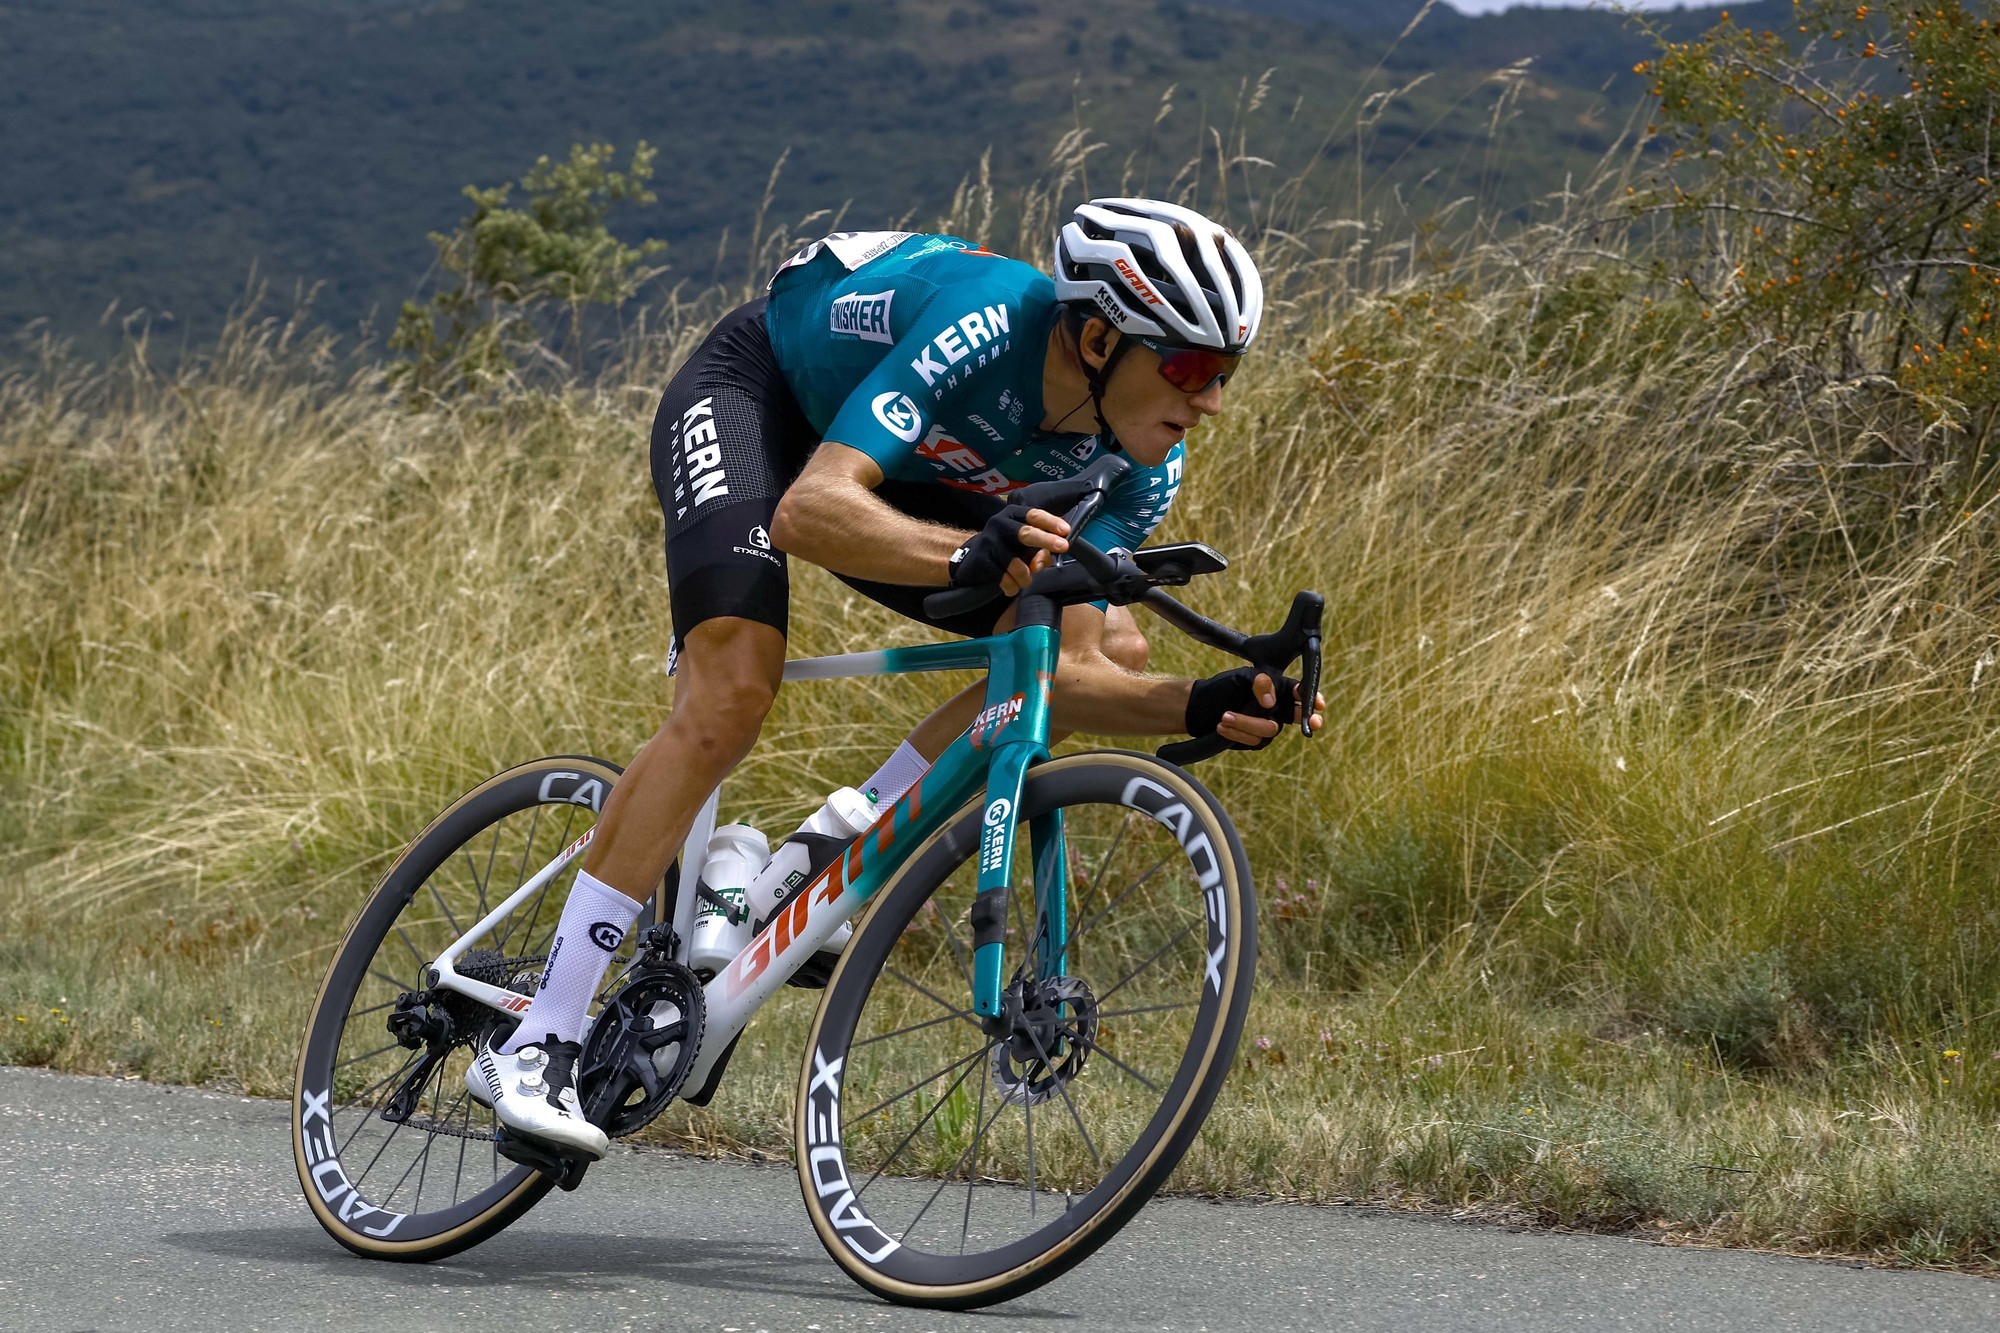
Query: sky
<point x="1495" y="6"/>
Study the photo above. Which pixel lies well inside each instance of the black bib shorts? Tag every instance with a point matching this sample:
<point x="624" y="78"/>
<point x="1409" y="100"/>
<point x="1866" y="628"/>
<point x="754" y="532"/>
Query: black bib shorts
<point x="728" y="439"/>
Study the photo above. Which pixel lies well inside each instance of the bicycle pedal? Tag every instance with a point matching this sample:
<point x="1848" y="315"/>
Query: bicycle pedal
<point x="564" y="1168"/>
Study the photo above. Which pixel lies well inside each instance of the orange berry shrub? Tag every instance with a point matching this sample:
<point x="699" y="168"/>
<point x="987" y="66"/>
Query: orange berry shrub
<point x="1839" y="185"/>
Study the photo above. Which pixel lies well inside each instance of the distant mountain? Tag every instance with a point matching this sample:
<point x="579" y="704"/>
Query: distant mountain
<point x="152" y="152"/>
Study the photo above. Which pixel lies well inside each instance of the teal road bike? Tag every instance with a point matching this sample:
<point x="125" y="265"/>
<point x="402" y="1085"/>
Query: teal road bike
<point x="1015" y="1049"/>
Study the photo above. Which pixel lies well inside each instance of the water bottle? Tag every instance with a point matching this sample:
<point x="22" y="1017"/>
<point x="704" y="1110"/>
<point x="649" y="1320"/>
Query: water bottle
<point x="801" y="857"/>
<point x="722" y="928"/>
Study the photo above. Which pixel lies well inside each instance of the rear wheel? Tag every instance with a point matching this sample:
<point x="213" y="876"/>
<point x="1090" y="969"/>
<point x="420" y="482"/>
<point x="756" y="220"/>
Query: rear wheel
<point x="397" y="1160"/>
<point x="946" y="1164"/>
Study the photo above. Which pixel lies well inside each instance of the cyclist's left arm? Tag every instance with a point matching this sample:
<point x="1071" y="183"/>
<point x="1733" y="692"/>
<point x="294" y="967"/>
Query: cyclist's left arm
<point x="1104" y="697"/>
<point x="1138" y="504"/>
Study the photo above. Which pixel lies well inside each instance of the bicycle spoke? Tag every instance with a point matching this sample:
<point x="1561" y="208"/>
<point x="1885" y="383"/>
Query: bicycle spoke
<point x="378" y="1084"/>
<point x="1020" y="918"/>
<point x="421" y="1158"/>
<point x="1028" y="1112"/>
<point x="444" y="1122"/>
<point x="394" y="983"/>
<point x="452" y="921"/>
<point x="1104" y="864"/>
<point x="923" y="1082"/>
<point x="929" y="995"/>
<point x="534" y="827"/>
<point x="966" y="1014"/>
<point x="458" y="1175"/>
<point x="478" y="884"/>
<point x="1074" y="1035"/>
<point x="979" y="1134"/>
<point x="543" y="897"/>
<point x="972" y="1171"/>
<point x="408" y="943"/>
<point x="1148" y="1009"/>
<point x="369" y="1056"/>
<point x="1157" y="955"/>
<point x="923" y="1120"/>
<point x="959" y="952"/>
<point x="394" y="1130"/>
<point x="1123" y="894"/>
<point x="1062" y="1087"/>
<point x="509" y="925"/>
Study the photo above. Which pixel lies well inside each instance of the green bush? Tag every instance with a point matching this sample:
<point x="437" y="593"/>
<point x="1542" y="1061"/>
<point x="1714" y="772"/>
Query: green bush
<point x="513" y="268"/>
<point x="1844" y="189"/>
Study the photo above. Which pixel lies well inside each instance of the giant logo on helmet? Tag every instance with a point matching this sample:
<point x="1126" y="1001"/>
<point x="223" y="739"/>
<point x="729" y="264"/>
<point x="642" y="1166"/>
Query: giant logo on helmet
<point x="1136" y="283"/>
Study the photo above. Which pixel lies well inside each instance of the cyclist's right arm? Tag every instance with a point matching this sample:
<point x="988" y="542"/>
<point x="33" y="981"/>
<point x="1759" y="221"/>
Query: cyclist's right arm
<point x="831" y="516"/>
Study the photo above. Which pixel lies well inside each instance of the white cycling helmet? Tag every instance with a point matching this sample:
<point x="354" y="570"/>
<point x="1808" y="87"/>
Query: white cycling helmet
<point x="1160" y="271"/>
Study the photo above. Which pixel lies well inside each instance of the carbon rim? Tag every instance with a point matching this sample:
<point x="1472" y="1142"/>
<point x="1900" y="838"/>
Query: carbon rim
<point x="943" y="1166"/>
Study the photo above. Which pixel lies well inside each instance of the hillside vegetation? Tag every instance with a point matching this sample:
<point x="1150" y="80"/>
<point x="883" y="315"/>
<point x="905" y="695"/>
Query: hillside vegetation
<point x="1642" y="878"/>
<point x="155" y="153"/>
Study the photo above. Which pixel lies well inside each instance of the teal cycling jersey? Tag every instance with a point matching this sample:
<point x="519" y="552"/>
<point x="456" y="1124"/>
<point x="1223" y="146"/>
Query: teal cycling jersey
<point x="925" y="353"/>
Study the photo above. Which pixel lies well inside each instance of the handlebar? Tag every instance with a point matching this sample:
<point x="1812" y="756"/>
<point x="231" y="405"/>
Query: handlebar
<point x="1123" y="577"/>
<point x="1095" y="483"/>
<point x="1297" y="640"/>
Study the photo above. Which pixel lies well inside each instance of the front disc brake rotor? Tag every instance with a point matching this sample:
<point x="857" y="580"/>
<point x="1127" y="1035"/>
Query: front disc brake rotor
<point x="1053" y="1026"/>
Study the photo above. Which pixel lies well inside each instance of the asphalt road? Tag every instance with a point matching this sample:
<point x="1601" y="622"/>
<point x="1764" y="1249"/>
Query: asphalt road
<point x="129" y="1206"/>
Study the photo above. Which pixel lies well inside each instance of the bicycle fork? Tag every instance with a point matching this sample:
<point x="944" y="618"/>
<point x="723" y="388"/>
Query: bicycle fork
<point x="1017" y="708"/>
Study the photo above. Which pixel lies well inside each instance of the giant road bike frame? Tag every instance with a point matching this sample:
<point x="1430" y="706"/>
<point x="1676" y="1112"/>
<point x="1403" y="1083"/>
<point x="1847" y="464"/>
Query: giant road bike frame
<point x="1010" y="734"/>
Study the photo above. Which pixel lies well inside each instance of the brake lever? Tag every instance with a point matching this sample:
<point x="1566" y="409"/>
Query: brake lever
<point x="1297" y="640"/>
<point x="1308" y="608"/>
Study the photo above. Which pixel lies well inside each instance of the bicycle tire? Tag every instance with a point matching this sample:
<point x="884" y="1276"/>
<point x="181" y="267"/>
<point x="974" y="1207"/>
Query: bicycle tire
<point x="1154" y="804"/>
<point x="387" y="948"/>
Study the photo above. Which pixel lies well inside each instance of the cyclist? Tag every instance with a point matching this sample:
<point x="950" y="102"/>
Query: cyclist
<point x="872" y="415"/>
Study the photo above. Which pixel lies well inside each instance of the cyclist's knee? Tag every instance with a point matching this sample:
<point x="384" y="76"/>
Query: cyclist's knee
<point x="1124" y="642"/>
<point x="727" y="710"/>
<point x="726" y="681"/>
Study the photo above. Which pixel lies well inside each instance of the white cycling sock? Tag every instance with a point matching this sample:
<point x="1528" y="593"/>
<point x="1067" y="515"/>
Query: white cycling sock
<point x="593" y="925"/>
<point x="896" y="777"/>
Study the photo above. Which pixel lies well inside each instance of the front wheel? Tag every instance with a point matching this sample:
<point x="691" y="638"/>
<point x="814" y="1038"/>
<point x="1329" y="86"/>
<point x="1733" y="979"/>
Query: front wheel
<point x="945" y="1165"/>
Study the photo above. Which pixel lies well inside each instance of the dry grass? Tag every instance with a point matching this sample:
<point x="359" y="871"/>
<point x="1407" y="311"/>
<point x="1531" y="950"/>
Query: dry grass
<point x="1641" y="878"/>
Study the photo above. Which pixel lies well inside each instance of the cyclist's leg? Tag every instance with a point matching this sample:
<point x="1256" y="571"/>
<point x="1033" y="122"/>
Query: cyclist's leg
<point x="725" y="678"/>
<point x="726" y="440"/>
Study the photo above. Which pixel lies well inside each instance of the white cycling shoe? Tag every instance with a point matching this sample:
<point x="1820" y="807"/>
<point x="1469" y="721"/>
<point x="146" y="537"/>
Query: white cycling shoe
<point x="533" y="1092"/>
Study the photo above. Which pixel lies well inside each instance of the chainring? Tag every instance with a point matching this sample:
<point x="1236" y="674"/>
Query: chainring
<point x="641" y="1048"/>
